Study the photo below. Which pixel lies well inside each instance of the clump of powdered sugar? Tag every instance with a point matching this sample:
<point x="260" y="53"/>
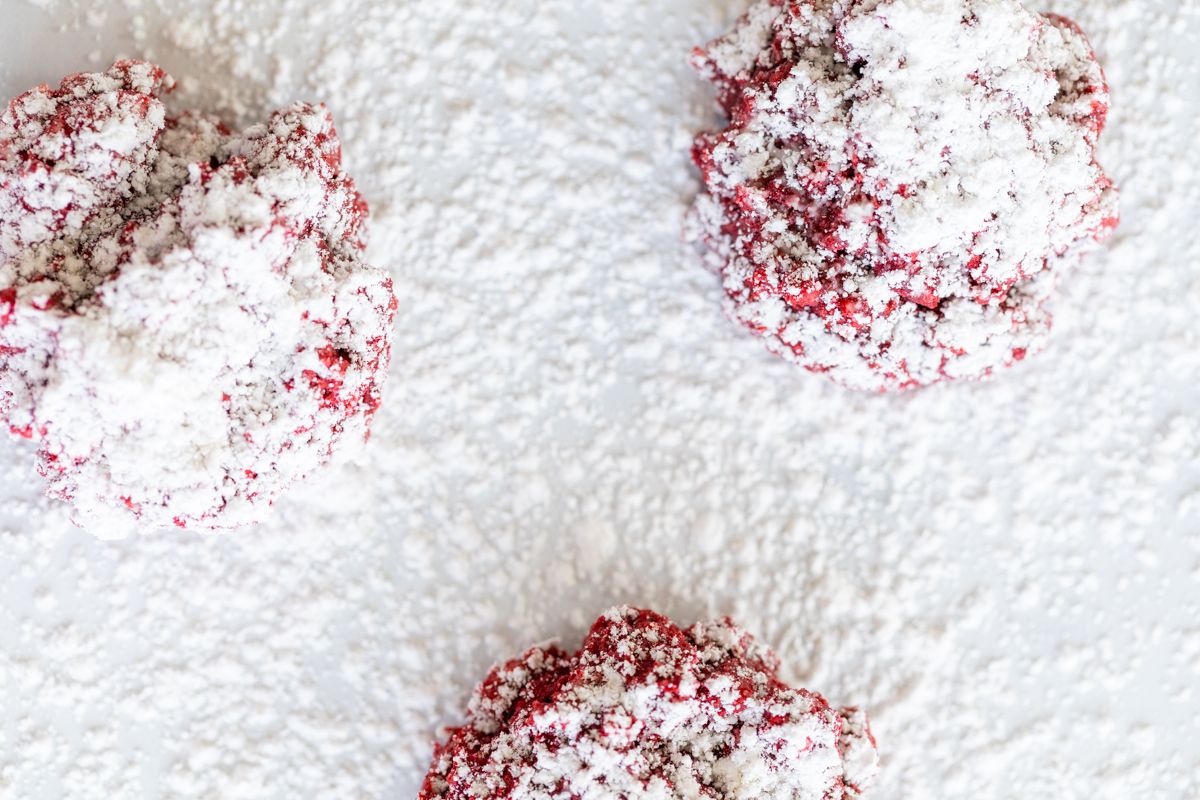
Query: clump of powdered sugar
<point x="902" y="181"/>
<point x="188" y="326"/>
<point x="1003" y="574"/>
<point x="645" y="709"/>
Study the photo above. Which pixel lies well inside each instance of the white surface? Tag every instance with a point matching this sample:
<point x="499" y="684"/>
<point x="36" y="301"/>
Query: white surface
<point x="1006" y="575"/>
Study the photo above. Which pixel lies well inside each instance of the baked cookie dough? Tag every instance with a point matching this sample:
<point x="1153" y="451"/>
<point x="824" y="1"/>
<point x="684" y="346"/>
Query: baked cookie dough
<point x="187" y="325"/>
<point x="902" y="182"/>
<point x="647" y="710"/>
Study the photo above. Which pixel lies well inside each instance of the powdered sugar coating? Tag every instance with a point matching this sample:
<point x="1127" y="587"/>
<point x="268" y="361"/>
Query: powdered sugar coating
<point x="647" y="710"/>
<point x="189" y="327"/>
<point x="902" y="182"/>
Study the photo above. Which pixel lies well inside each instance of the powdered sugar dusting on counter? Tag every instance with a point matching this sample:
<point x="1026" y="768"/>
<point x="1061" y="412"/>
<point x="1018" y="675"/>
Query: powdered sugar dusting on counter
<point x="1004" y="575"/>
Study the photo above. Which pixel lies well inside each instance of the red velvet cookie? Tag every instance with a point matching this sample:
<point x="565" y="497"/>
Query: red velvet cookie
<point x="187" y="325"/>
<point x="647" y="710"/>
<point x="901" y="184"/>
